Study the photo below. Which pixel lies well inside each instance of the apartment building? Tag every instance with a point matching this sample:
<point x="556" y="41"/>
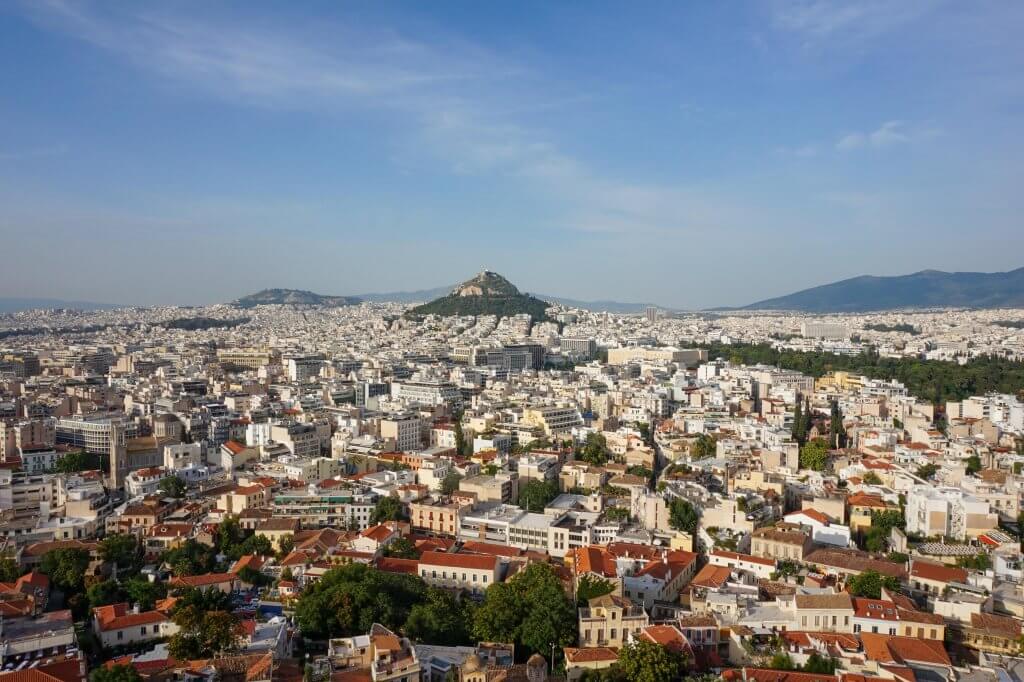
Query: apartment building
<point x="473" y="573"/>
<point x="404" y="431"/>
<point x="435" y="517"/>
<point x="552" y="420"/>
<point x="948" y="512"/>
<point x="607" y="621"/>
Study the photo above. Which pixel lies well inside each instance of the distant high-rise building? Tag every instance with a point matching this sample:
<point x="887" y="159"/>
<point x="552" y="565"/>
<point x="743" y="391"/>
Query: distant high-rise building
<point x="652" y="313"/>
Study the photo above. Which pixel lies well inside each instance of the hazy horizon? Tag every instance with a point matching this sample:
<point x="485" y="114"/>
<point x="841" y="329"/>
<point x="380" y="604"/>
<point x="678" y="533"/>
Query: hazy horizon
<point x="692" y="156"/>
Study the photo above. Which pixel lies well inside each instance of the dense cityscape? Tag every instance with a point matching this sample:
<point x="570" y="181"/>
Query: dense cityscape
<point x="372" y="491"/>
<point x="511" y="341"/>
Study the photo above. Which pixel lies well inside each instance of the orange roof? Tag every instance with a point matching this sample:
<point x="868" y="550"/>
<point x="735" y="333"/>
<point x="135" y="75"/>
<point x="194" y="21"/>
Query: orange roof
<point x="590" y="655"/>
<point x="477" y="562"/>
<point x="378" y="533"/>
<point x="893" y="649"/>
<point x="667" y="636"/>
<point x="593" y="559"/>
<point x="811" y="514"/>
<point x="938" y="572"/>
<point x="118" y="617"/>
<point x="712" y="577"/>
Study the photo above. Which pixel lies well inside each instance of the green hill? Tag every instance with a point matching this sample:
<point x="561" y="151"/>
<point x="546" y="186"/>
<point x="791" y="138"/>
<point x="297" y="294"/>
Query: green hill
<point x="486" y="294"/>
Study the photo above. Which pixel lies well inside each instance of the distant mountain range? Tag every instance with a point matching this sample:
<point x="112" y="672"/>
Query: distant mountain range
<point x="14" y="305"/>
<point x="925" y="289"/>
<point x="488" y="293"/>
<point x="292" y="297"/>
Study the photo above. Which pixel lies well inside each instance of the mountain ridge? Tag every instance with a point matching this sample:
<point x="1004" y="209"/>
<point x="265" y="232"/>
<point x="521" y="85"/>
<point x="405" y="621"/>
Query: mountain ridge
<point x="292" y="297"/>
<point x="922" y="289"/>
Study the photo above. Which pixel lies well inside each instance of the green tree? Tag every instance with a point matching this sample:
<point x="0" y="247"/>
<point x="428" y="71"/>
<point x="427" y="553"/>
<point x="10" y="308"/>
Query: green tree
<point x="531" y="609"/>
<point x="973" y="465"/>
<point x="837" y="432"/>
<point x="349" y="599"/>
<point x="105" y="592"/>
<point x="285" y="545"/>
<point x="797" y="431"/>
<point x="978" y="562"/>
<point x="9" y="570"/>
<point x="781" y="661"/>
<point x="144" y="593"/>
<point x="123" y="550"/>
<point x="926" y="471"/>
<point x="192" y="558"/>
<point x="682" y="516"/>
<point x="871" y="478"/>
<point x="203" y="600"/>
<point x="388" y="508"/>
<point x="535" y="494"/>
<point x="402" y="548"/>
<point x="594" y="450"/>
<point x="450" y="483"/>
<point x="115" y="673"/>
<point x="590" y="586"/>
<point x="814" y="455"/>
<point x="229" y="533"/>
<point x="820" y="665"/>
<point x="704" y="447"/>
<point x="203" y="634"/>
<point x="76" y="461"/>
<point x="645" y="661"/>
<point x="251" y="576"/>
<point x="66" y="568"/>
<point x="870" y="583"/>
<point x="172" y="486"/>
<point x="441" y="619"/>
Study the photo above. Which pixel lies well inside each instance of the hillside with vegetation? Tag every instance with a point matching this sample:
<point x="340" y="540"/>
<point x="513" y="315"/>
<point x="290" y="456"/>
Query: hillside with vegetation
<point x="486" y="294"/>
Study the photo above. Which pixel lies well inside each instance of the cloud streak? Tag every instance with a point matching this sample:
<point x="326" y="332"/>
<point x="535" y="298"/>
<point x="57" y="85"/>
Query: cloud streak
<point x="453" y="103"/>
<point x="889" y="134"/>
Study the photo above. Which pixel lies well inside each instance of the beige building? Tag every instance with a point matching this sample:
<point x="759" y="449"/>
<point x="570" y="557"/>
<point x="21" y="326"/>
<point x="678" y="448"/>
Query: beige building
<point x="624" y="356"/>
<point x="824" y="612"/>
<point x="436" y="518"/>
<point x="607" y="621"/>
<point x="782" y="542"/>
<point x="473" y="573"/>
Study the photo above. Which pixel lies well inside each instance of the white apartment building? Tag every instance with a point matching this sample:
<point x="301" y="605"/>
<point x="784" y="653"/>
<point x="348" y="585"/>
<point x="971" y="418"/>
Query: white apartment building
<point x="182" y="456"/>
<point x="947" y="512"/>
<point x="404" y="430"/>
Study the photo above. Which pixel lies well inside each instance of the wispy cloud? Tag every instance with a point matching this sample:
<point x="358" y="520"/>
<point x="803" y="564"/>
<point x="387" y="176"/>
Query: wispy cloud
<point x="456" y="102"/>
<point x="886" y="135"/>
<point x="817" y="21"/>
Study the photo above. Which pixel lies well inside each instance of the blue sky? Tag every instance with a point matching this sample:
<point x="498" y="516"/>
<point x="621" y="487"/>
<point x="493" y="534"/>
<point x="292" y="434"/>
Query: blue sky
<point x="691" y="154"/>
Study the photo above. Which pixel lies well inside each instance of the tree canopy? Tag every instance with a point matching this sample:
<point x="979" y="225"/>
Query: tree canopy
<point x="645" y="661"/>
<point x="534" y="495"/>
<point x="590" y="586"/>
<point x="594" y="450"/>
<point x="172" y="486"/>
<point x="682" y="516"/>
<point x="66" y="568"/>
<point x="349" y="599"/>
<point x="388" y="508"/>
<point x="935" y="380"/>
<point x="441" y="619"/>
<point x="814" y="455"/>
<point x="531" y="610"/>
<point x="870" y="583"/>
<point x="705" y="446"/>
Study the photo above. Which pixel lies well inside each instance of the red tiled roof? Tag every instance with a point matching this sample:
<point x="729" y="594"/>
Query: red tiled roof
<point x="938" y="572"/>
<point x="479" y="562"/>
